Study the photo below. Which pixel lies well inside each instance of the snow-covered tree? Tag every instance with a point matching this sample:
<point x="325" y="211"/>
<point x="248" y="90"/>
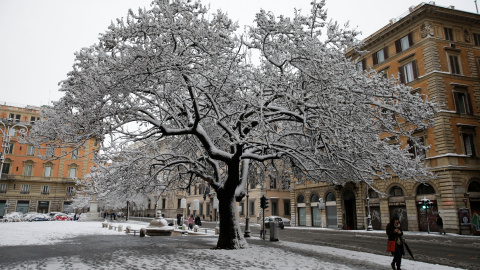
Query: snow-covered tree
<point x="184" y="79"/>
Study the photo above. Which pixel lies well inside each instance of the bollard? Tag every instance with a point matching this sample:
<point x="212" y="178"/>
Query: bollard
<point x="109" y="226"/>
<point x="127" y="230"/>
<point x="142" y="232"/>
<point x="195" y="229"/>
<point x="120" y="228"/>
<point x="217" y="230"/>
<point x="184" y="227"/>
<point x="273" y="231"/>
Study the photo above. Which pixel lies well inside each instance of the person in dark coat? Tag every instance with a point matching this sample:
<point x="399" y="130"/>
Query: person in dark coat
<point x="395" y="233"/>
<point x="198" y="221"/>
<point x="439" y="221"/>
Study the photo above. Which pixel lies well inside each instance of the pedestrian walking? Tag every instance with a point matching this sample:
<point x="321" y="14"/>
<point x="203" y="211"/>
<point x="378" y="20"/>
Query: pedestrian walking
<point x="395" y="242"/>
<point x="439" y="221"/>
<point x="190" y="222"/>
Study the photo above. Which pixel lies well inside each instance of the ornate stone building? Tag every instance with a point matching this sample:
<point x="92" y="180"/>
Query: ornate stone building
<point x="30" y="183"/>
<point x="436" y="51"/>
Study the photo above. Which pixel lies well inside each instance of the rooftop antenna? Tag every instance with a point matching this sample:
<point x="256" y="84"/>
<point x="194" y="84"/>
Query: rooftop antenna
<point x="476" y="5"/>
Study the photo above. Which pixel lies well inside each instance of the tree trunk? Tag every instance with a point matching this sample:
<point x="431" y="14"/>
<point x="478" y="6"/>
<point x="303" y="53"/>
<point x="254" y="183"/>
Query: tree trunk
<point x="230" y="236"/>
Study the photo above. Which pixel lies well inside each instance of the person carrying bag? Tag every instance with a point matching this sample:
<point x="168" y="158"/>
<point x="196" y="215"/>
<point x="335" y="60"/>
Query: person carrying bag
<point x="395" y="242"/>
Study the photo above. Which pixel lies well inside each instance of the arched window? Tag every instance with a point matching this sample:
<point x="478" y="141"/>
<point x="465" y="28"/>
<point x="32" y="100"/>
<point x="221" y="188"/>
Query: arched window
<point x="301" y="199"/>
<point x="314" y="198"/>
<point x="474" y="186"/>
<point x="424" y="189"/>
<point x="331" y="197"/>
<point x="396" y="191"/>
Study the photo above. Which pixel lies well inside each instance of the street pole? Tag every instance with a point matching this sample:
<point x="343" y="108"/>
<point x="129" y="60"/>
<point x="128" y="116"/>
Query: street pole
<point x="369" y="217"/>
<point x="247" y="217"/>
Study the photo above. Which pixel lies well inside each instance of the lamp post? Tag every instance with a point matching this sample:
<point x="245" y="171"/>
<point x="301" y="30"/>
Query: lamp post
<point x="425" y="203"/>
<point x="369" y="217"/>
<point x="10" y="130"/>
<point x="247" y="218"/>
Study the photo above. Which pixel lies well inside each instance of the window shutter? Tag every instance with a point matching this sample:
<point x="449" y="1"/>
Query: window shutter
<point x="398" y="46"/>
<point x="410" y="39"/>
<point x="469" y="103"/>
<point x="455" y="101"/>
<point x="385" y="52"/>
<point x="402" y="74"/>
<point x="414" y="68"/>
<point x="375" y="58"/>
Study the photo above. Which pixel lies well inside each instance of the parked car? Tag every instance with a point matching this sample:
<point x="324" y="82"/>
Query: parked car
<point x="269" y="219"/>
<point x="62" y="217"/>
<point x="286" y="221"/>
<point x="40" y="217"/>
<point x="13" y="217"/>
<point x="52" y="215"/>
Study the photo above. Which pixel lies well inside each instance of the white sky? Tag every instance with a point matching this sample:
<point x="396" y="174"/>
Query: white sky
<point x="39" y="37"/>
<point x="275" y="253"/>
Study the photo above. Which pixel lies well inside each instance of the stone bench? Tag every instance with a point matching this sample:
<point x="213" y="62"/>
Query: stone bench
<point x="130" y="230"/>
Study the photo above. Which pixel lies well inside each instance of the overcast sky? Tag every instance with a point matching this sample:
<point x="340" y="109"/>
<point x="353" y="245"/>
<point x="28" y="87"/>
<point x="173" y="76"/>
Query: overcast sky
<point x="39" y="37"/>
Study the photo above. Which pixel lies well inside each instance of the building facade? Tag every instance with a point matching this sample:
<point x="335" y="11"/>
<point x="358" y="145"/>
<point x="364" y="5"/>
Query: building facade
<point x="436" y="51"/>
<point x="29" y="181"/>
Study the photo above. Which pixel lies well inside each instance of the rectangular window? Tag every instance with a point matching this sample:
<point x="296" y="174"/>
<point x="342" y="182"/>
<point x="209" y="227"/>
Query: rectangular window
<point x="25" y="189"/>
<point x="448" y="33"/>
<point x="164" y="201"/>
<point x="454" y="64"/>
<point x="17" y="118"/>
<point x="241" y="209"/>
<point x="31" y="150"/>
<point x="3" y="188"/>
<point x="6" y="168"/>
<point x="251" y="208"/>
<point x="75" y="154"/>
<point x="179" y="203"/>
<point x="33" y="119"/>
<point x="70" y="191"/>
<point x="286" y="207"/>
<point x="9" y="148"/>
<point x="362" y="65"/>
<point x="12" y="132"/>
<point x="380" y="56"/>
<point x="274" y="206"/>
<point x="468" y="141"/>
<point x="408" y="72"/>
<point x="207" y="209"/>
<point x="416" y="151"/>
<point x="45" y="190"/>
<point x="476" y="39"/>
<point x="72" y="173"/>
<point x="28" y="170"/>
<point x="48" y="171"/>
<point x="50" y="151"/>
<point x="462" y="102"/>
<point x="273" y="182"/>
<point x="404" y="43"/>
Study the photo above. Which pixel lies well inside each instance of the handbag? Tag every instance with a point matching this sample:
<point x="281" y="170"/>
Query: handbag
<point x="391" y="246"/>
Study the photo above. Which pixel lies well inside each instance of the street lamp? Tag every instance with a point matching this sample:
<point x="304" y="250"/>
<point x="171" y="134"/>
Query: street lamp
<point x="10" y="130"/>
<point x="247" y="217"/>
<point x="425" y="203"/>
<point x="369" y="217"/>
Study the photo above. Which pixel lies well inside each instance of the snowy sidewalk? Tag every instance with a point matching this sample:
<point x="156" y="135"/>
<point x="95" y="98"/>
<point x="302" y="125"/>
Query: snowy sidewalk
<point x="86" y="245"/>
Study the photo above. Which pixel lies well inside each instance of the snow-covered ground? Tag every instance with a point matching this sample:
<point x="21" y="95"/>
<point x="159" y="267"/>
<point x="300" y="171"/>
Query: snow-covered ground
<point x="274" y="255"/>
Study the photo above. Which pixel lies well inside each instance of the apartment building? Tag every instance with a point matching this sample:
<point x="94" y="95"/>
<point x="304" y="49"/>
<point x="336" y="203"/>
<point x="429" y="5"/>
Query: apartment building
<point x="30" y="182"/>
<point x="436" y="51"/>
